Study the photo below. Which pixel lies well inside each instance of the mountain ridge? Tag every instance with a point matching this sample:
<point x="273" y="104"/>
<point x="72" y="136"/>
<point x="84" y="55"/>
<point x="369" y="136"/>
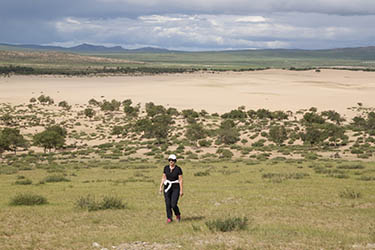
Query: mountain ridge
<point x="86" y="47"/>
<point x="83" y="48"/>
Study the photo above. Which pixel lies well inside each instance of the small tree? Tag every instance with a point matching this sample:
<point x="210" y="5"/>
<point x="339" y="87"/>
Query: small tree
<point x="11" y="139"/>
<point x="195" y="131"/>
<point x="65" y="105"/>
<point x="278" y="134"/>
<point x="227" y="133"/>
<point x="153" y="110"/>
<point x="131" y="111"/>
<point x="313" y="135"/>
<point x="333" y="116"/>
<point x="52" y="137"/>
<point x="118" y="130"/>
<point x="7" y="119"/>
<point x="45" y="100"/>
<point x="94" y="102"/>
<point x="89" y="112"/>
<point x="110" y="106"/>
<point x="313" y="117"/>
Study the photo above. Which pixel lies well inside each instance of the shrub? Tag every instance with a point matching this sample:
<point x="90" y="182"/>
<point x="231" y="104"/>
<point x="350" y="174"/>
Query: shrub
<point x="190" y="113"/>
<point x="312" y="117"/>
<point x="55" y="178"/>
<point x="89" y="112"/>
<point x="23" y="182"/>
<point x="195" y="132"/>
<point x="224" y="153"/>
<point x="295" y="176"/>
<point x="65" y="105"/>
<point x="202" y="173"/>
<point x="227" y="225"/>
<point x="349" y="166"/>
<point x="348" y="193"/>
<point x="235" y="114"/>
<point x="204" y="143"/>
<point x="52" y="137"/>
<point x="278" y="134"/>
<point x="227" y="133"/>
<point x="45" y="100"/>
<point x="91" y="204"/>
<point x="27" y="199"/>
<point x="153" y="110"/>
<point x="11" y="139"/>
<point x="94" y="102"/>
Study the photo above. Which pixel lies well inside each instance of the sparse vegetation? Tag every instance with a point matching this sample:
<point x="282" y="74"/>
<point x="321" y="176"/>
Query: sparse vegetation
<point x="107" y="202"/>
<point x="227" y="225"/>
<point x="28" y="199"/>
<point x="264" y="162"/>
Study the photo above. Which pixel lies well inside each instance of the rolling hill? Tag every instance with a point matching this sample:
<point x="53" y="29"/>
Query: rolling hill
<point x="156" y="57"/>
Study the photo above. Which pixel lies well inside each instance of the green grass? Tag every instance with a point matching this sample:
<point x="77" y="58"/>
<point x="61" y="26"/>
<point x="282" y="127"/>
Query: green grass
<point x="72" y="63"/>
<point x="297" y="213"/>
<point x="27" y="199"/>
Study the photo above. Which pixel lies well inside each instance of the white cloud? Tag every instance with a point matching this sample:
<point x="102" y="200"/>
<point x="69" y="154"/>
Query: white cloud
<point x="158" y="19"/>
<point x="251" y="19"/>
<point x="72" y="21"/>
<point x="209" y="24"/>
<point x="214" y="31"/>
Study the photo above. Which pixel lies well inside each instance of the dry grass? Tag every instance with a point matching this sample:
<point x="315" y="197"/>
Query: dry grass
<point x="295" y="213"/>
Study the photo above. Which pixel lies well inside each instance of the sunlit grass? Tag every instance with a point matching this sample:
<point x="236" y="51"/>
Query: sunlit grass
<point x="298" y="213"/>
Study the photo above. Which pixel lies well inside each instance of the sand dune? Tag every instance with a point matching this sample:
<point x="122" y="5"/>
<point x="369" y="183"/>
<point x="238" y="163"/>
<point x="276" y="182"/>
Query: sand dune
<point x="219" y="92"/>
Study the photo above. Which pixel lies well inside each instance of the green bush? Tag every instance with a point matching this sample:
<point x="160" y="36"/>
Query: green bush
<point x="27" y="199"/>
<point x="55" y="178"/>
<point x="224" y="153"/>
<point x="351" y="166"/>
<point x="227" y="225"/>
<point x="91" y="204"/>
<point x="204" y="143"/>
<point x="23" y="182"/>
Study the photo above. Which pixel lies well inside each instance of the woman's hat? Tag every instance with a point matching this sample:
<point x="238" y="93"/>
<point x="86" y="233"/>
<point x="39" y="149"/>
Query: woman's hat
<point x="172" y="157"/>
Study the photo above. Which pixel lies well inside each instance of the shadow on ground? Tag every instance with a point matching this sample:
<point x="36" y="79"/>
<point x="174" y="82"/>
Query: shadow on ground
<point x="193" y="218"/>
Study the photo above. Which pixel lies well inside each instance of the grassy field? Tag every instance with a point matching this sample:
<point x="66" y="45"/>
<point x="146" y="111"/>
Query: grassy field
<point x="291" y="196"/>
<point x="68" y="62"/>
<point x="240" y="60"/>
<point x="288" y="204"/>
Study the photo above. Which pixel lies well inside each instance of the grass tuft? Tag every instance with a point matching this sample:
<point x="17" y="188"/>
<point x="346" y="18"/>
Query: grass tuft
<point x="348" y="193"/>
<point x="27" y="199"/>
<point x="227" y="225"/>
<point x="91" y="204"/>
<point x="23" y="182"/>
<point x="55" y="178"/>
<point x="202" y="173"/>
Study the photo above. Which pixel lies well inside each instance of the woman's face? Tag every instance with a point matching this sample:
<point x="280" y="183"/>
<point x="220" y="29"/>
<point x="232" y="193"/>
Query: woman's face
<point x="172" y="163"/>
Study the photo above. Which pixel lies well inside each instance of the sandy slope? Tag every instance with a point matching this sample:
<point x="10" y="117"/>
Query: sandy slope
<point x="219" y="92"/>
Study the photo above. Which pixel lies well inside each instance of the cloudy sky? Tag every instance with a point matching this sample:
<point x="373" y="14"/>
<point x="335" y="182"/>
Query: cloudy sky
<point x="190" y="24"/>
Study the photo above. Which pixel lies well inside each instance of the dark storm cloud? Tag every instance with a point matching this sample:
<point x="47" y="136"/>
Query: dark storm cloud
<point x="131" y="8"/>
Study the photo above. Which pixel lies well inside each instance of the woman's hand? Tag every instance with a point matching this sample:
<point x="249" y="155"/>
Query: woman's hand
<point x="181" y="193"/>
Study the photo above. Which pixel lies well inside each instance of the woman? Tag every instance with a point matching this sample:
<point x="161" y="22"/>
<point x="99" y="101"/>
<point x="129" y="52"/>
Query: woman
<point x="173" y="189"/>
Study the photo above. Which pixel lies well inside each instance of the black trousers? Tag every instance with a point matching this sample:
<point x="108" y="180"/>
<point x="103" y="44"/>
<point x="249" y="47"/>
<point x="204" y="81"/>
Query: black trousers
<point x="171" y="199"/>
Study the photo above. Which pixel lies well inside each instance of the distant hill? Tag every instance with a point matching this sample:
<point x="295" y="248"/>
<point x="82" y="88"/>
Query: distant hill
<point x="360" y="53"/>
<point x="82" y="48"/>
<point x="232" y="59"/>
